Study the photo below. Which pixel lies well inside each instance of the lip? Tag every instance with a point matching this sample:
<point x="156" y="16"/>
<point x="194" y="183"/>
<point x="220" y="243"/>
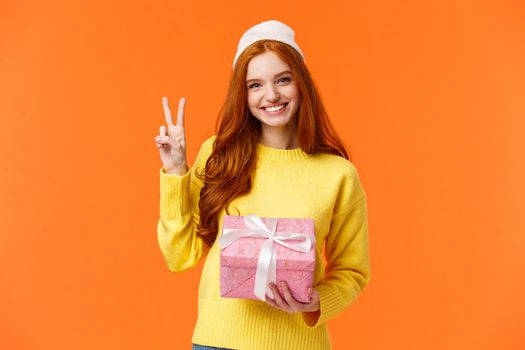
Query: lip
<point x="282" y="110"/>
<point x="275" y="104"/>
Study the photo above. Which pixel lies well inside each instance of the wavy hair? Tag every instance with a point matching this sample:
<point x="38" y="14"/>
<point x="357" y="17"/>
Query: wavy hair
<point x="229" y="169"/>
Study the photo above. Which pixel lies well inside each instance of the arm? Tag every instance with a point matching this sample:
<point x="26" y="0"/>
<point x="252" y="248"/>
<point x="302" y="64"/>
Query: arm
<point x="179" y="215"/>
<point x="346" y="252"/>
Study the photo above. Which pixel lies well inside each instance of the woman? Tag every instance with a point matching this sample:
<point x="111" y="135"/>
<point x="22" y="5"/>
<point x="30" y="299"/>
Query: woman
<point x="275" y="154"/>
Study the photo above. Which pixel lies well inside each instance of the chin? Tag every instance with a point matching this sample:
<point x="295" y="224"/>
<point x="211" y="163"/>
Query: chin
<point x="273" y="121"/>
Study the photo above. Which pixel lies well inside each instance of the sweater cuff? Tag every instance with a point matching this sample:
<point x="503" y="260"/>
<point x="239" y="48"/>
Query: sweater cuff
<point x="330" y="304"/>
<point x="174" y="194"/>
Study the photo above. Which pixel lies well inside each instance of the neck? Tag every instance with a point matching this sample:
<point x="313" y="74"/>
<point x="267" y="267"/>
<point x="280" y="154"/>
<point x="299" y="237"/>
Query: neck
<point x="282" y="138"/>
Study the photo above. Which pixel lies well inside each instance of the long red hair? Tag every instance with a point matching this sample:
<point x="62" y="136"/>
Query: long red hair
<point x="229" y="168"/>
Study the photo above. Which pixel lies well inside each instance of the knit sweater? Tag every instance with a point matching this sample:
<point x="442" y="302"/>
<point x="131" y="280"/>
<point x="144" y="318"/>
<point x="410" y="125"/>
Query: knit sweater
<point x="287" y="183"/>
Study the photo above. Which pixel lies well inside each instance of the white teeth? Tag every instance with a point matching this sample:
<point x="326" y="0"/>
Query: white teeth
<point x="273" y="109"/>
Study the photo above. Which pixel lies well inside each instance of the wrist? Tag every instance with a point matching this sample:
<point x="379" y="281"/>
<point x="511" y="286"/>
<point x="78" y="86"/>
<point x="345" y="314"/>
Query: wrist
<point x="179" y="170"/>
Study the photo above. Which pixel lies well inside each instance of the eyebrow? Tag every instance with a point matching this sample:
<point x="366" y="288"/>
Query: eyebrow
<point x="276" y="75"/>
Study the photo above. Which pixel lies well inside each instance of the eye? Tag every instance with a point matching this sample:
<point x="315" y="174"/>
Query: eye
<point x="252" y="85"/>
<point x="285" y="78"/>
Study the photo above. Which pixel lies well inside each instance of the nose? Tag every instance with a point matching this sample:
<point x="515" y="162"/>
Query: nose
<point x="272" y="93"/>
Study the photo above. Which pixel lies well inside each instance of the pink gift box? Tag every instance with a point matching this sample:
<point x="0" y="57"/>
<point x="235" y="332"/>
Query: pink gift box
<point x="239" y="260"/>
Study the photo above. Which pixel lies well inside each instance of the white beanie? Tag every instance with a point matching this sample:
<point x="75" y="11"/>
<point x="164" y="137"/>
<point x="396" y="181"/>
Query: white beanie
<point x="271" y="29"/>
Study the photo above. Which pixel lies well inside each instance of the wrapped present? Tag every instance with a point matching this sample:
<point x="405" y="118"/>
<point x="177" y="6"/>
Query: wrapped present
<point x="258" y="250"/>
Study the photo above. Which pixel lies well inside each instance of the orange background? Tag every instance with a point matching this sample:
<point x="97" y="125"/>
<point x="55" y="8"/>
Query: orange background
<point x="428" y="95"/>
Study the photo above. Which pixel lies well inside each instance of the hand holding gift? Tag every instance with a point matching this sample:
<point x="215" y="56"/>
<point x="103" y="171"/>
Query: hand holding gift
<point x="289" y="304"/>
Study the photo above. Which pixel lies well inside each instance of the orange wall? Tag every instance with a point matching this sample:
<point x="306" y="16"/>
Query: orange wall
<point x="429" y="96"/>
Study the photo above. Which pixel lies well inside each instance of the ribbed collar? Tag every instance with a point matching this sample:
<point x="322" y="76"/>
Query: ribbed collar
<point x="280" y="154"/>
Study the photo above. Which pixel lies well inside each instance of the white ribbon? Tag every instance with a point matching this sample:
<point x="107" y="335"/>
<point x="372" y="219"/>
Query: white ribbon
<point x="266" y="263"/>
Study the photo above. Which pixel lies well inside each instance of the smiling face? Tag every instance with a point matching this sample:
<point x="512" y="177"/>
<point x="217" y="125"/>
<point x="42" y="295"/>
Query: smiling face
<point x="273" y="97"/>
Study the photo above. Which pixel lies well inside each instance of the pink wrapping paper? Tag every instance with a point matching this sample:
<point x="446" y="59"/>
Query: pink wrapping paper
<point x="239" y="260"/>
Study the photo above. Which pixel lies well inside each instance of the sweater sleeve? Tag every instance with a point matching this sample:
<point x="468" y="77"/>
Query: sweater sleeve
<point x="179" y="215"/>
<point x="346" y="253"/>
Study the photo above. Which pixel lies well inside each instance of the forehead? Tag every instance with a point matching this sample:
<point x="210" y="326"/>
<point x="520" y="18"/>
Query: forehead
<point x="267" y="65"/>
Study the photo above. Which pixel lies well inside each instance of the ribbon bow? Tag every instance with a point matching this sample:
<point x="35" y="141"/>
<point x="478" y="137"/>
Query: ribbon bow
<point x="266" y="263"/>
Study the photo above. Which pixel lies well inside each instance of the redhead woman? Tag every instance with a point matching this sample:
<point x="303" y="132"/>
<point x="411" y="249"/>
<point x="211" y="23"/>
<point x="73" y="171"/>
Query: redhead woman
<point x="276" y="154"/>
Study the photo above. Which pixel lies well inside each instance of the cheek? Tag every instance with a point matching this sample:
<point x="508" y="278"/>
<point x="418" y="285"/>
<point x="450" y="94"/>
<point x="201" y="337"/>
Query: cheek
<point x="252" y="101"/>
<point x="292" y="92"/>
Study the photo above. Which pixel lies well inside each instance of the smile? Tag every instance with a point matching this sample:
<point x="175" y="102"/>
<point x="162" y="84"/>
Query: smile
<point x="275" y="109"/>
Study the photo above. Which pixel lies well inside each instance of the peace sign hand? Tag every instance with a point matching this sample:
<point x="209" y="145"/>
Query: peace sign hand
<point x="172" y="147"/>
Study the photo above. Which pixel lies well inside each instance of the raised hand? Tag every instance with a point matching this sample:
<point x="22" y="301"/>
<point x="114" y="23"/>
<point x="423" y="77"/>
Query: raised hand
<point x="172" y="147"/>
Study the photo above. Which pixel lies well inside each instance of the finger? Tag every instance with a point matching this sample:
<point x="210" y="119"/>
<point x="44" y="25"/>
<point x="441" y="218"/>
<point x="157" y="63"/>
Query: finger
<point x="315" y="297"/>
<point x="162" y="139"/>
<point x="162" y="131"/>
<point x="294" y="304"/>
<point x="276" y="295"/>
<point x="180" y="113"/>
<point x="167" y="112"/>
<point x="272" y="302"/>
<point x="269" y="300"/>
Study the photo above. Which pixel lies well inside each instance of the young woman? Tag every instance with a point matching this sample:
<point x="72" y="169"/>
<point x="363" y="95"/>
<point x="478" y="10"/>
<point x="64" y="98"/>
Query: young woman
<point x="275" y="154"/>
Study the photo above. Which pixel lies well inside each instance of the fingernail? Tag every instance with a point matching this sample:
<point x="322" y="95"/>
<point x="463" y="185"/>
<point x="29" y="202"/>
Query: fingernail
<point x="309" y="290"/>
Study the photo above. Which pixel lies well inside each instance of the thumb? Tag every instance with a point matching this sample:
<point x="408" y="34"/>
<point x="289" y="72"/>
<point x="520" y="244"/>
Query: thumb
<point x="313" y="293"/>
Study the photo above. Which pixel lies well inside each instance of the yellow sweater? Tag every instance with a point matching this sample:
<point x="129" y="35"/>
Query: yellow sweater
<point x="287" y="183"/>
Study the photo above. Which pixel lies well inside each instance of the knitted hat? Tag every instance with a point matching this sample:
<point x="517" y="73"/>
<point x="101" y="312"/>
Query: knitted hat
<point x="271" y="29"/>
